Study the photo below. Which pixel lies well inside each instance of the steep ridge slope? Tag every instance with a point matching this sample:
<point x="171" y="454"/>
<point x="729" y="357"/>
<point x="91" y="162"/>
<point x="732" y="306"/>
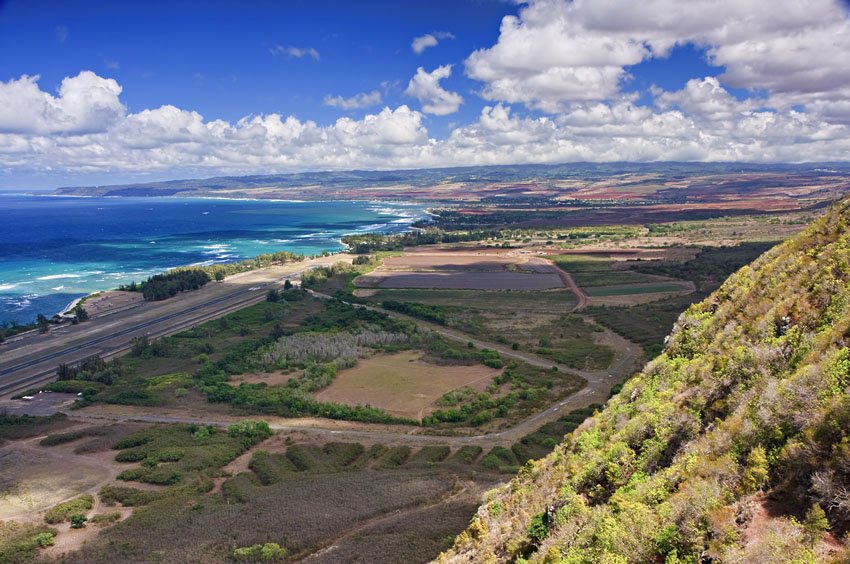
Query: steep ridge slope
<point x="733" y="445"/>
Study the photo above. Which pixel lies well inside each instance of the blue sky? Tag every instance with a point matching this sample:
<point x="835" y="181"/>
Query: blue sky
<point x="214" y="57"/>
<point x="95" y="92"/>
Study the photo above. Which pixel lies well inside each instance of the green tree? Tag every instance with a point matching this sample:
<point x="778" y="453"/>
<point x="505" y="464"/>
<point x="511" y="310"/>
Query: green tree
<point x="78" y="521"/>
<point x="757" y="471"/>
<point x="219" y="275"/>
<point x="815" y="524"/>
<point x="268" y="552"/>
<point x="43" y="323"/>
<point x="538" y="530"/>
<point x="44" y="539"/>
<point x="81" y="313"/>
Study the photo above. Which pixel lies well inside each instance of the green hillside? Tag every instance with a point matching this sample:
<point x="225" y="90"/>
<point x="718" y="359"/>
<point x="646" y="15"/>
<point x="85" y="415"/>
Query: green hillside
<point x="733" y="445"/>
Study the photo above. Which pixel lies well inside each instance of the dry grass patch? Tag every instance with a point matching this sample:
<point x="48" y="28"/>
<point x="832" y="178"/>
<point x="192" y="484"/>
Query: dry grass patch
<point x="402" y="384"/>
<point x="278" y="378"/>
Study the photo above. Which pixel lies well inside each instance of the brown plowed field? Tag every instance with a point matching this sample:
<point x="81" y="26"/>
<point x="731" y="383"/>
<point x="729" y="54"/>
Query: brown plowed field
<point x="463" y="280"/>
<point x="463" y="271"/>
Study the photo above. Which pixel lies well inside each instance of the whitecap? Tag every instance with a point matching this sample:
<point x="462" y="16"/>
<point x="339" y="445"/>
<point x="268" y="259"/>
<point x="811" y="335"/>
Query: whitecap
<point x="57" y="288"/>
<point x="5" y="287"/>
<point x="59" y="276"/>
<point x="22" y="302"/>
<point x="319" y="235"/>
<point x="372" y="227"/>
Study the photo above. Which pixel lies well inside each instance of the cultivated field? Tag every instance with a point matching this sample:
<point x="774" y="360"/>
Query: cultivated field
<point x="538" y="322"/>
<point x="403" y="384"/>
<point x="551" y="301"/>
<point x="597" y="269"/>
<point x="462" y="280"/>
<point x="463" y="270"/>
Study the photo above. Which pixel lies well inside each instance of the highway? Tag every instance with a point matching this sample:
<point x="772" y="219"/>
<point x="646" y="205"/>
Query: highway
<point x="31" y="360"/>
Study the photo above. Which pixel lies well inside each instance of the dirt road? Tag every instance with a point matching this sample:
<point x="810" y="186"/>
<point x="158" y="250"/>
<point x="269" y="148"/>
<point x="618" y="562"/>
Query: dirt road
<point x="597" y="390"/>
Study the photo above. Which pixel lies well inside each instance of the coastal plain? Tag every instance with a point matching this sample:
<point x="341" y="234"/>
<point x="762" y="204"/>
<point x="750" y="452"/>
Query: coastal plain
<point x="400" y="381"/>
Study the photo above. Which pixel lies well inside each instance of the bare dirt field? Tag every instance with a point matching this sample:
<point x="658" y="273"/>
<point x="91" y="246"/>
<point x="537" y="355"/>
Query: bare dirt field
<point x="466" y="270"/>
<point x="463" y="280"/>
<point x="41" y="404"/>
<point x="34" y="478"/>
<point x="402" y="384"/>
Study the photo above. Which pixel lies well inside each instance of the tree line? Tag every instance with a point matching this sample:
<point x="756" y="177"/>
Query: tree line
<point x="163" y="286"/>
<point x="366" y="243"/>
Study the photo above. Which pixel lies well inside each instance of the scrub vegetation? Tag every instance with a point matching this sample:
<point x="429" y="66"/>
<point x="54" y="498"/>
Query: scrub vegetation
<point x="746" y="404"/>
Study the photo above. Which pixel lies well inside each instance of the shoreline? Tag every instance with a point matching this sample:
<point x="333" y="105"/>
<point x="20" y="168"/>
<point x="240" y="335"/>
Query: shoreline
<point x="346" y="249"/>
<point x="399" y="222"/>
<point x="74" y="303"/>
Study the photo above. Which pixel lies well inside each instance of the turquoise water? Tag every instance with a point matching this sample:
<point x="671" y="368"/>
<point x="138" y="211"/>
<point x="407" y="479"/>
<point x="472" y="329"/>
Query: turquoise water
<point x="56" y="249"/>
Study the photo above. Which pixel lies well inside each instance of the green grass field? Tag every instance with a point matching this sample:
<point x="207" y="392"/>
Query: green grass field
<point x="492" y="300"/>
<point x="597" y="270"/>
<point x="629" y="290"/>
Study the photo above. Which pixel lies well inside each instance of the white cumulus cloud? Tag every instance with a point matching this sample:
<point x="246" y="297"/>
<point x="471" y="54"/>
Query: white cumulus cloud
<point x="76" y="134"/>
<point x="85" y="103"/>
<point x="556" y="52"/>
<point x="425" y="87"/>
<point x="422" y="42"/>
<point x="361" y="100"/>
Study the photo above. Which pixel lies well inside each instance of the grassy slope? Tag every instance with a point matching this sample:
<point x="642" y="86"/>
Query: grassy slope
<point x="750" y="395"/>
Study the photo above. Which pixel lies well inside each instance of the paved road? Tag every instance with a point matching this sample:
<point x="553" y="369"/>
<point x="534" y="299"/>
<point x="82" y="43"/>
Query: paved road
<point x="27" y="362"/>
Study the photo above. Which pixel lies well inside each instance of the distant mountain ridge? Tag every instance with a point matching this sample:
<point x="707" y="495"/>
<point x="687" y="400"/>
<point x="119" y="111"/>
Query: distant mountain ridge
<point x="330" y="184"/>
<point x="733" y="445"/>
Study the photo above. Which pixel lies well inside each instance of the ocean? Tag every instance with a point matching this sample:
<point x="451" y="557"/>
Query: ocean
<point x="56" y="249"/>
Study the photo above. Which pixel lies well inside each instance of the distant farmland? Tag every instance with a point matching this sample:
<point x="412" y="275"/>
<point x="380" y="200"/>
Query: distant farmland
<point x="463" y="271"/>
<point x="465" y="281"/>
